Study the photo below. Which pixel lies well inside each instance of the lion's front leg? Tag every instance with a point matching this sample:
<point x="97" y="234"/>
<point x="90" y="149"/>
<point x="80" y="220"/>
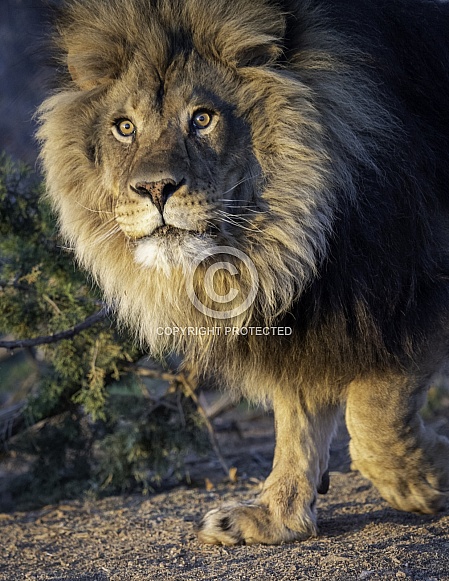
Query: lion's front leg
<point x="285" y="509"/>
<point x="390" y="445"/>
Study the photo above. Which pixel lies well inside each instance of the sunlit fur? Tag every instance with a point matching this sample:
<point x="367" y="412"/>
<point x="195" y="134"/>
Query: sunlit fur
<point x="328" y="167"/>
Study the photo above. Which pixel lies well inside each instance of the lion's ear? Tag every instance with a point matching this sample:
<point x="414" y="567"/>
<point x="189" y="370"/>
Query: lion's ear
<point x="260" y="55"/>
<point x="88" y="71"/>
<point x="94" y="53"/>
<point x="241" y="44"/>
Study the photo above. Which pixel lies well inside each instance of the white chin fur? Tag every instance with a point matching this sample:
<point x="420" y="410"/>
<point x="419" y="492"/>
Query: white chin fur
<point x="164" y="255"/>
<point x="153" y="253"/>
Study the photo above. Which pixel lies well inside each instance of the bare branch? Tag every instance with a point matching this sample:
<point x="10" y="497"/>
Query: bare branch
<point x="10" y="419"/>
<point x="210" y="428"/>
<point x="224" y="403"/>
<point x="67" y="334"/>
<point x="190" y="392"/>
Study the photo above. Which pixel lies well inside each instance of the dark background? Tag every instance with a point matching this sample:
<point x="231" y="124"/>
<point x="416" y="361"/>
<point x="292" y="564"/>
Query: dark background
<point x="25" y="77"/>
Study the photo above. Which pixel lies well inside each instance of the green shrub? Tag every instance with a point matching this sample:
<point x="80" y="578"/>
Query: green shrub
<point x="92" y="422"/>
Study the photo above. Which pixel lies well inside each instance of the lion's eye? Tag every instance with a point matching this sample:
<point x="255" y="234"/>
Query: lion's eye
<point x="201" y="119"/>
<point x="125" y="127"/>
<point x="124" y="130"/>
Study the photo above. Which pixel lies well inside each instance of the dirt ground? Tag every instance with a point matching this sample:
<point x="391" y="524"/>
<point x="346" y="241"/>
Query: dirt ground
<point x="153" y="538"/>
<point x="139" y="538"/>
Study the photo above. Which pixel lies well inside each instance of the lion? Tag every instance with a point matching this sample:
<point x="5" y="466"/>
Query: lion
<point x="262" y="186"/>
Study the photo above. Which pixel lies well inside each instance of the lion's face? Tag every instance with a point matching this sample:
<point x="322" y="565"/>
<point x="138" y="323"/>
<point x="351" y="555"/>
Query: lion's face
<point x="176" y="131"/>
<point x="179" y="156"/>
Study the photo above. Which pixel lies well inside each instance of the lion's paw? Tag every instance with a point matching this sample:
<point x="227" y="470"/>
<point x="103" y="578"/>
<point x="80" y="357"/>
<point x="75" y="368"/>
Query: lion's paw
<point x="412" y="494"/>
<point x="246" y="524"/>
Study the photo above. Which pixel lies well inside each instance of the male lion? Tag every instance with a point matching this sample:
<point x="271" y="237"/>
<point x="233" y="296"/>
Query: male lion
<point x="273" y="175"/>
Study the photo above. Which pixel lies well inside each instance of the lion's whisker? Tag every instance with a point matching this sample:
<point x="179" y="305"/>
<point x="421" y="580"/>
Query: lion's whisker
<point x="229" y="218"/>
<point x="246" y="208"/>
<point x="240" y="182"/>
<point x="99" y="235"/>
<point x="110" y="234"/>
<point x="92" y="210"/>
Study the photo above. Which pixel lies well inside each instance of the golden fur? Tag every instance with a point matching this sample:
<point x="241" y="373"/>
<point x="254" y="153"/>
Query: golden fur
<point x="277" y="169"/>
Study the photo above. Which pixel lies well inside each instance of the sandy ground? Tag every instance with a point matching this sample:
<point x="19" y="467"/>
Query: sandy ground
<point x="153" y="538"/>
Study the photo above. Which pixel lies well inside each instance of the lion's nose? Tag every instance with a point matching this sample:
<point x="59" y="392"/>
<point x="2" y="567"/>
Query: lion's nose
<point x="159" y="192"/>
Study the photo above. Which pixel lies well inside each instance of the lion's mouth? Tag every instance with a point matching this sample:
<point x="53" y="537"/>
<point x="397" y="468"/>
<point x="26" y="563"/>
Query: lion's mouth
<point x="168" y="231"/>
<point x="169" y="247"/>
